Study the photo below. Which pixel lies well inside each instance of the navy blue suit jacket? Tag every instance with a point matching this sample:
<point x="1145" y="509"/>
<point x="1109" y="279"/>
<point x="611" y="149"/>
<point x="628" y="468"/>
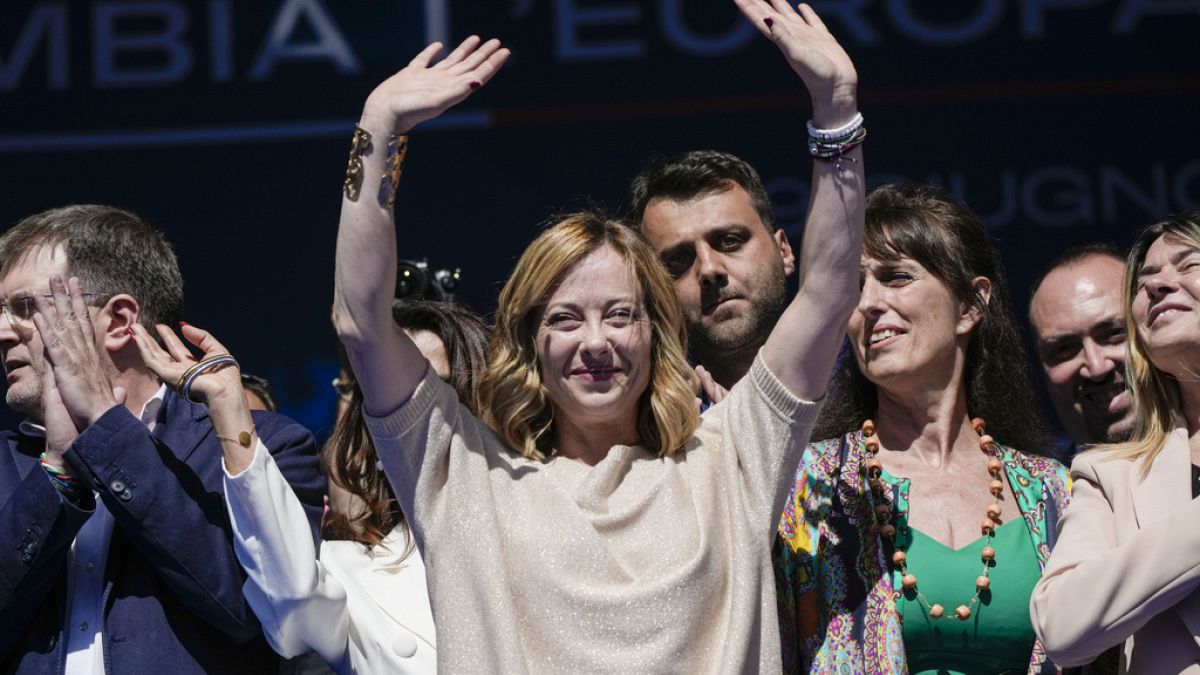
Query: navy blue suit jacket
<point x="173" y="588"/>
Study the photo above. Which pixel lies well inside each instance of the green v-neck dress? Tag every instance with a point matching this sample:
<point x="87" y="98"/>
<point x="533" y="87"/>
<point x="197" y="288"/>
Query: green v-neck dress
<point x="999" y="635"/>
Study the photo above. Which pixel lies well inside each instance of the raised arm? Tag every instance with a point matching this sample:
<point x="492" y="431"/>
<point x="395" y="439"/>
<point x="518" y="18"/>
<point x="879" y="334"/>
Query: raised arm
<point x="801" y="349"/>
<point x="385" y="362"/>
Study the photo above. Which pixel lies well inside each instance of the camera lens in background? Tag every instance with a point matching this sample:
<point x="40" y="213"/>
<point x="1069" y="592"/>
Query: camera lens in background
<point x="415" y="281"/>
<point x="447" y="282"/>
<point x="411" y="279"/>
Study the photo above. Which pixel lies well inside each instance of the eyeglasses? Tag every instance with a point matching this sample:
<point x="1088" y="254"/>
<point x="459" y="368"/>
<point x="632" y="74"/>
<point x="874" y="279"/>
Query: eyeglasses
<point x="20" y="310"/>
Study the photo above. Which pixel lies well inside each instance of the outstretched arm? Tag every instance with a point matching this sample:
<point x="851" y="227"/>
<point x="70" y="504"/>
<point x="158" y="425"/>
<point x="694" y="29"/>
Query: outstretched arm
<point x="385" y="362"/>
<point x="801" y="349"/>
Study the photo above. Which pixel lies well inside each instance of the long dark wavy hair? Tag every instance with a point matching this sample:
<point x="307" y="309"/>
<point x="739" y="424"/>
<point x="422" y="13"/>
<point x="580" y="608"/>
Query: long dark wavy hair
<point x="349" y="457"/>
<point x="928" y="225"/>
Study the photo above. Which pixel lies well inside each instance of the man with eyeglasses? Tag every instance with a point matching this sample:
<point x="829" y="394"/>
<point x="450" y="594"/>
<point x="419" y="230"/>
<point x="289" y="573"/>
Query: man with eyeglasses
<point x="115" y="553"/>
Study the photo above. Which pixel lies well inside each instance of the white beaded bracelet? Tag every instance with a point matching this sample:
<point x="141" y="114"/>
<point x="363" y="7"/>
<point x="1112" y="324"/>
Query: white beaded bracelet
<point x="834" y="135"/>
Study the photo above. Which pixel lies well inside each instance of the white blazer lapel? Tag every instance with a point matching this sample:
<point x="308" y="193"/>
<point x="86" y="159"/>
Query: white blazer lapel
<point x="399" y="588"/>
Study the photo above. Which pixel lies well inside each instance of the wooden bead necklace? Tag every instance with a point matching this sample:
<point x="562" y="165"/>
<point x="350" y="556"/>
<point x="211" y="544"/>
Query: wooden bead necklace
<point x="883" y="515"/>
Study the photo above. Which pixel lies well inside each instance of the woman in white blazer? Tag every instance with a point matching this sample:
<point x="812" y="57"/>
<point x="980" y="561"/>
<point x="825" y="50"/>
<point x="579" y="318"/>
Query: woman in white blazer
<point x="362" y="605"/>
<point x="1127" y="564"/>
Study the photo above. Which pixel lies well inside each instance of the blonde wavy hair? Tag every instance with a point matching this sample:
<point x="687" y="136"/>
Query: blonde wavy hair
<point x="514" y="398"/>
<point x="1156" y="398"/>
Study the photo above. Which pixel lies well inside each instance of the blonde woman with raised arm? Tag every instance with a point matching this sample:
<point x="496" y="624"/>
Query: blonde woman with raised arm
<point x="1127" y="566"/>
<point x="592" y="521"/>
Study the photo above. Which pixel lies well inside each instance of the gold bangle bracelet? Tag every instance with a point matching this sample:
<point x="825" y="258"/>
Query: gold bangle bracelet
<point x="359" y="146"/>
<point x="186" y="374"/>
<point x="183" y="385"/>
<point x="397" y="148"/>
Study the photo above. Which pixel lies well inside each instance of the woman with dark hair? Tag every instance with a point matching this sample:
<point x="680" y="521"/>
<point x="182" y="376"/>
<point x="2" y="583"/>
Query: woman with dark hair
<point x="914" y="534"/>
<point x="1125" y="571"/>
<point x="590" y="520"/>
<point x="363" y="507"/>
<point x="362" y="605"/>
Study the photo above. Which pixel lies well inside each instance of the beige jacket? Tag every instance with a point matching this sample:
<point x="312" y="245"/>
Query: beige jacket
<point x="1126" y="566"/>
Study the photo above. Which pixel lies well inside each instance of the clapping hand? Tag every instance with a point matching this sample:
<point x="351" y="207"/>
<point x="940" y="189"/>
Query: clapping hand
<point x="76" y="389"/>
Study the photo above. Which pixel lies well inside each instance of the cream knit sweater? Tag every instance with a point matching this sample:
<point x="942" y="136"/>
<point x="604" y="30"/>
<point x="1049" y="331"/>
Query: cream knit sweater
<point x="638" y="564"/>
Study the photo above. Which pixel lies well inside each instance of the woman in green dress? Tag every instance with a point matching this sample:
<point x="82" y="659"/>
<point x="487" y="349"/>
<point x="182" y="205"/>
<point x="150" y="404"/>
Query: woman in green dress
<point x="913" y="536"/>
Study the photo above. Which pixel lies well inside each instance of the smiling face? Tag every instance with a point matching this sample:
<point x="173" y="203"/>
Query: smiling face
<point x="907" y="326"/>
<point x="728" y="270"/>
<point x="21" y="346"/>
<point x="593" y="343"/>
<point x="1079" y="324"/>
<point x="1166" y="303"/>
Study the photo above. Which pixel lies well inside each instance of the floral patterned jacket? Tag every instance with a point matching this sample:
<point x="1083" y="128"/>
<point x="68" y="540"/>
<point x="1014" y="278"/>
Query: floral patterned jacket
<point x="833" y="571"/>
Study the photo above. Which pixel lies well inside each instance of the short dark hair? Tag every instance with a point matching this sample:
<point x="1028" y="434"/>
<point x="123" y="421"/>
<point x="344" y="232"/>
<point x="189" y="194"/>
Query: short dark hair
<point x="260" y="387"/>
<point x="1074" y="255"/>
<point x="111" y="251"/>
<point x="696" y="174"/>
<point x="928" y="225"/>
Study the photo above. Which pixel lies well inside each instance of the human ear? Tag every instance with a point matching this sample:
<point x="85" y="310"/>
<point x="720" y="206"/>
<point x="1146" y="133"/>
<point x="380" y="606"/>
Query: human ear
<point x="971" y="313"/>
<point x="115" y="321"/>
<point x="785" y="252"/>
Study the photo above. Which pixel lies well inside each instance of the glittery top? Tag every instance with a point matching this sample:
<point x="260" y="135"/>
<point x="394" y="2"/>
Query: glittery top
<point x="636" y="564"/>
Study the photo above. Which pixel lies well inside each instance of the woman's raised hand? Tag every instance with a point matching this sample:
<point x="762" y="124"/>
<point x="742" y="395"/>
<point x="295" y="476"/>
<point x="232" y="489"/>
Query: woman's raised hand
<point x="422" y="91"/>
<point x="222" y="380"/>
<point x="812" y="52"/>
<point x="214" y="379"/>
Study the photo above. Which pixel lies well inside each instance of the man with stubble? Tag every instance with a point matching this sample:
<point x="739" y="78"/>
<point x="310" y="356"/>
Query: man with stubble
<point x="707" y="215"/>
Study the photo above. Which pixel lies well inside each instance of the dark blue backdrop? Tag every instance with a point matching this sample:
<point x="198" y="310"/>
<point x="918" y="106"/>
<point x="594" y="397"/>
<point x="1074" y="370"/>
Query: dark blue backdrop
<point x="227" y="124"/>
